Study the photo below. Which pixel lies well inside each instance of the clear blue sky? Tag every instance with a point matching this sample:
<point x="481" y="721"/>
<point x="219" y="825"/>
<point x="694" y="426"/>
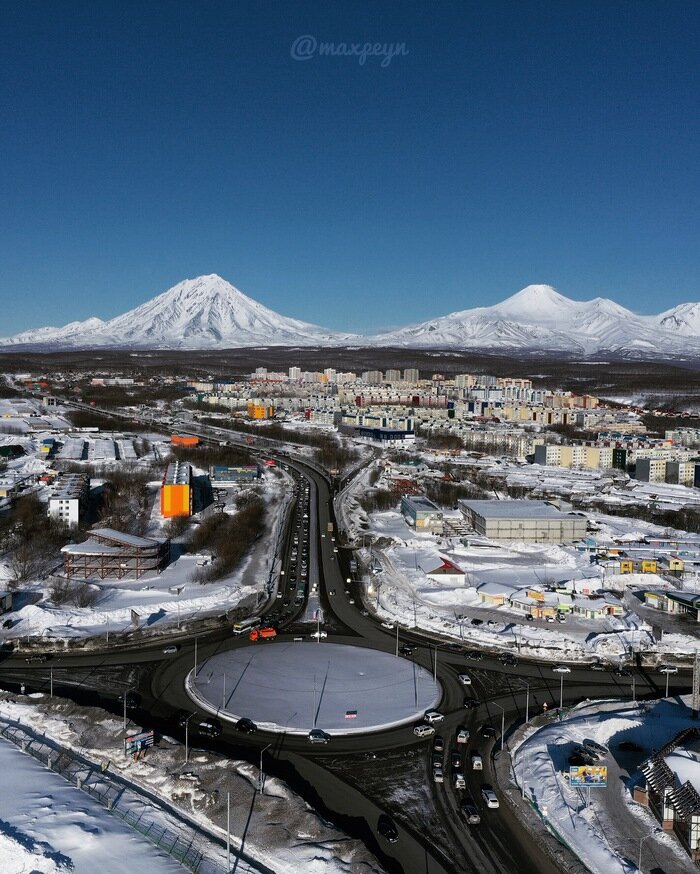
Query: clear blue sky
<point x="516" y="142"/>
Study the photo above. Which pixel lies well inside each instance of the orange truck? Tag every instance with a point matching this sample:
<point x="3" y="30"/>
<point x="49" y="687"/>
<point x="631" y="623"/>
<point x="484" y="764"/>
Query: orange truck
<point x="262" y="634"/>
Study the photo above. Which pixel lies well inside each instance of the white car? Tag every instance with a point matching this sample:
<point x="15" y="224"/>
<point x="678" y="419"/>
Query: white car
<point x="465" y="679"/>
<point x="668" y="669"/>
<point x="388" y="625"/>
<point x="489" y="797"/>
<point x="438" y="775"/>
<point x="460" y="782"/>
<point x="432" y="716"/>
<point x="423" y="730"/>
<point x="477" y="764"/>
<point x="463" y="735"/>
<point x="319" y="635"/>
<point x="561" y="669"/>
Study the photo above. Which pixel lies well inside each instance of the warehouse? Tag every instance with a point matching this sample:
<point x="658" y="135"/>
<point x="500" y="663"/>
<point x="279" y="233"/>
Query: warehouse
<point x="421" y="513"/>
<point x="535" y="521"/>
<point x="176" y="490"/>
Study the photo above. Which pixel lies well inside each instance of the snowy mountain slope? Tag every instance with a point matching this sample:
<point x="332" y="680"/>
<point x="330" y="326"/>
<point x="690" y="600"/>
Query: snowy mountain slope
<point x="539" y="318"/>
<point x="198" y="313"/>
<point x="208" y="312"/>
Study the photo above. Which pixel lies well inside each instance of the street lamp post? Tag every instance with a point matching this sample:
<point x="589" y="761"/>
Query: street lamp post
<point x="666" y="696"/>
<point x="527" y="703"/>
<point x="126" y="695"/>
<point x="187" y="737"/>
<point x="503" y="722"/>
<point x="195" y="658"/>
<point x="260" y="772"/>
<point x="561" y="691"/>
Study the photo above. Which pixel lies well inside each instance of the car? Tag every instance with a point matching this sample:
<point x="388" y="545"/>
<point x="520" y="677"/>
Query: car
<point x="407" y="649"/>
<point x="470" y="813"/>
<point x="598" y="666"/>
<point x="477" y="621"/>
<point x="488" y="731"/>
<point x="331" y="591"/>
<point x="489" y="797"/>
<point x="432" y="716"/>
<point x="423" y="730"/>
<point x="470" y="703"/>
<point x="180" y="717"/>
<point x="436" y="760"/>
<point x="549" y="618"/>
<point x="462" y="735"/>
<point x="561" y="669"/>
<point x="586" y="752"/>
<point x="622" y="672"/>
<point x="246" y="726"/>
<point x="459" y="781"/>
<point x="169" y="650"/>
<point x="474" y="655"/>
<point x="438" y="775"/>
<point x="581" y="758"/>
<point x="456" y="760"/>
<point x="279" y="595"/>
<point x="507" y="658"/>
<point x="387" y="829"/>
<point x="439" y="744"/>
<point x="319" y="635"/>
<point x="465" y="679"/>
<point x="35" y="658"/>
<point x="477" y="763"/>
<point x="210" y="727"/>
<point x="593" y="745"/>
<point x="668" y="669"/>
<point x="351" y="600"/>
<point x="529" y="617"/>
<point x="388" y="625"/>
<point x="318" y="736"/>
<point x="560" y="617"/>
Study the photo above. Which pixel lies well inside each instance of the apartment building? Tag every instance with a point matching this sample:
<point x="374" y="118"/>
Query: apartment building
<point x="69" y="498"/>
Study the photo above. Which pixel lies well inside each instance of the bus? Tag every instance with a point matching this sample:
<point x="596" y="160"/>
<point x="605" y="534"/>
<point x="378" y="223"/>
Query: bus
<point x="246" y="625"/>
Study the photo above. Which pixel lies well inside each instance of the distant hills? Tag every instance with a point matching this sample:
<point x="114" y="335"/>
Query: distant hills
<point x="208" y="313"/>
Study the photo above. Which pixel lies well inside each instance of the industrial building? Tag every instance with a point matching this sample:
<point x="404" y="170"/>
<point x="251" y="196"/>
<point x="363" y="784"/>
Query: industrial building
<point x="69" y="498"/>
<point x="110" y="553"/>
<point x="184" y="440"/>
<point x="176" y="498"/>
<point x="535" y="521"/>
<point x="422" y="514"/>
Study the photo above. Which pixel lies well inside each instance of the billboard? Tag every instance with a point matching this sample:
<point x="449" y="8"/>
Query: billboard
<point x="588" y="775"/>
<point x="137" y="742"/>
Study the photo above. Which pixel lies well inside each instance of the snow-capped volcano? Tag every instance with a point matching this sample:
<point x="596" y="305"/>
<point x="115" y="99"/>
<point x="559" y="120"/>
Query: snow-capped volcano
<point x="198" y="313"/>
<point x="208" y="312"/>
<point x="539" y="318"/>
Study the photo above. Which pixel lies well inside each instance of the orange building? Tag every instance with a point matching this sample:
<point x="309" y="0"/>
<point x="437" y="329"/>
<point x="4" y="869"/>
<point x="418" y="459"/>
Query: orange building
<point x="260" y="411"/>
<point x="184" y="440"/>
<point x="176" y="491"/>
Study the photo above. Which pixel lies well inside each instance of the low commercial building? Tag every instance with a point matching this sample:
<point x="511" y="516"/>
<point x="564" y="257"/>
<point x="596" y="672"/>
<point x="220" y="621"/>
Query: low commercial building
<point x="69" y="498"/>
<point x="421" y="513"/>
<point x="535" y="521"/>
<point x="176" y="491"/>
<point x="110" y="553"/>
<point x="228" y="475"/>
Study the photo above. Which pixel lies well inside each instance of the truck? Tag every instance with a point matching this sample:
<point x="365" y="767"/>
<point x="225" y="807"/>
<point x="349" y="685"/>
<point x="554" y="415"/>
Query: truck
<point x="262" y="634"/>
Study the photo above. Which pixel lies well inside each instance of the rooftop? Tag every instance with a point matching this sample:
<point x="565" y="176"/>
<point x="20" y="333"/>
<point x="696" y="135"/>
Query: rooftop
<point x="513" y="509"/>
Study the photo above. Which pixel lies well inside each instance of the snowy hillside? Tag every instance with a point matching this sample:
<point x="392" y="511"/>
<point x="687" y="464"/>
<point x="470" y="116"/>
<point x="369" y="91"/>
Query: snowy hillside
<point x="198" y="313"/>
<point x="208" y="312"/>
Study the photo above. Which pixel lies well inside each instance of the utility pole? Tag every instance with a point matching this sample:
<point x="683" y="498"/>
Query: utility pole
<point x="260" y="772"/>
<point x="187" y="727"/>
<point x="195" y="658"/>
<point x="397" y="640"/>
<point x="51" y="675"/>
<point x="527" y="703"/>
<point x="228" y="832"/>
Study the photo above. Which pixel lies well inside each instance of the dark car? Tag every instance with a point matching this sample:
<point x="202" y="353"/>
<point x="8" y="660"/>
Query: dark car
<point x="210" y="727"/>
<point x="477" y="621"/>
<point x="439" y="744"/>
<point x="456" y="760"/>
<point x="488" y="731"/>
<point x="581" y="758"/>
<point x="470" y="813"/>
<point x="387" y="829"/>
<point x="469" y="703"/>
<point x="507" y="658"/>
<point x="474" y="655"/>
<point x="622" y="672"/>
<point x="180" y="717"/>
<point x="407" y="649"/>
<point x="133" y="700"/>
<point x="36" y="658"/>
<point x="247" y="726"/>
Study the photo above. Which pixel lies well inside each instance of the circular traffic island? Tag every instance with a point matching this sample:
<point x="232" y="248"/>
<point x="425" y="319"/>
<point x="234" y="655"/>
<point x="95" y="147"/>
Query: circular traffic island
<point x="299" y="687"/>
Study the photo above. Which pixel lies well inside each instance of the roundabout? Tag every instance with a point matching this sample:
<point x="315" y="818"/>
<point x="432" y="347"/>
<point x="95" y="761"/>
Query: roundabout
<point x="294" y="687"/>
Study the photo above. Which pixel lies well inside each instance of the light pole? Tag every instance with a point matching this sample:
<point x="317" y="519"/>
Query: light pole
<point x="51" y="675"/>
<point x="561" y="691"/>
<point x="527" y="703"/>
<point x="397" y="642"/>
<point x="503" y="722"/>
<point x="187" y="737"/>
<point x="634" y="688"/>
<point x="195" y="658"/>
<point x="260" y="772"/>
<point x="435" y="666"/>
<point x="641" y="844"/>
<point x="666" y="696"/>
<point x="126" y="695"/>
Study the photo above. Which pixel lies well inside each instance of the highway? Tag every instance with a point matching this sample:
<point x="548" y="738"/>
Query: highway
<point x="324" y="776"/>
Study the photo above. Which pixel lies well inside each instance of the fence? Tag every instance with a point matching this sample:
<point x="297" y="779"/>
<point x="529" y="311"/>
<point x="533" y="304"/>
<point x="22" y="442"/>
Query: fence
<point x="185" y="844"/>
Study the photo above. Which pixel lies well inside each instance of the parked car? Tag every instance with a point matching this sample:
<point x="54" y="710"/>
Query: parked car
<point x="477" y="621"/>
<point x="318" y="736"/>
<point x="489" y="796"/>
<point x="595" y="747"/>
<point x="387" y="829"/>
<point x="423" y="730"/>
<point x="529" y="617"/>
<point x="598" y="666"/>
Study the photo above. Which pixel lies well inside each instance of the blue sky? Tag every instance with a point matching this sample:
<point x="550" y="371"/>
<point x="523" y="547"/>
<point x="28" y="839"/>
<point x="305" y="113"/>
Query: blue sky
<point x="514" y="143"/>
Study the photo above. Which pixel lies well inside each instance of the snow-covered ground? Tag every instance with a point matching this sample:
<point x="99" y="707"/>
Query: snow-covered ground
<point x="606" y="834"/>
<point x="278" y="828"/>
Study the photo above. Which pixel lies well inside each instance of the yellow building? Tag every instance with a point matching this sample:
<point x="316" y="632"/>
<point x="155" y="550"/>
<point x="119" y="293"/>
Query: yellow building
<point x="260" y="411"/>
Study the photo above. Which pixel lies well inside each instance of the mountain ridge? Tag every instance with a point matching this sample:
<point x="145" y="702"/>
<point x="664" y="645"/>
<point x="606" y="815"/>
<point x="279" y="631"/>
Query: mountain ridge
<point x="208" y="312"/>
